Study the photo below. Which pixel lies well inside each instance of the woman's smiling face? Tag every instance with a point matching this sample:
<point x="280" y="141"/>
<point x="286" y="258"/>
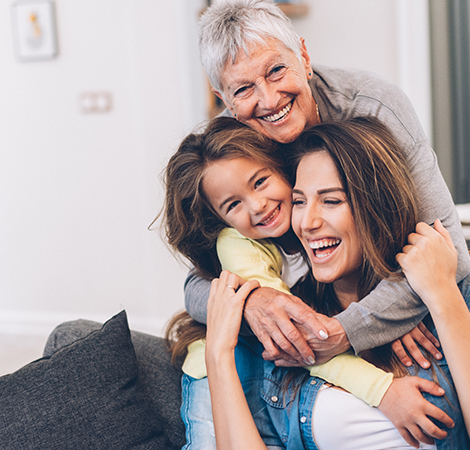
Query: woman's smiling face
<point x="323" y="221"/>
<point x="267" y="89"/>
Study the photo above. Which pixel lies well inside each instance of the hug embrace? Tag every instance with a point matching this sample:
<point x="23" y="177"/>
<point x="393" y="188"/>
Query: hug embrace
<point x="307" y="207"/>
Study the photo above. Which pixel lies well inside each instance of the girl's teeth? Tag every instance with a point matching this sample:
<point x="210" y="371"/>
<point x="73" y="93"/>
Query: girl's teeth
<point x="264" y="222"/>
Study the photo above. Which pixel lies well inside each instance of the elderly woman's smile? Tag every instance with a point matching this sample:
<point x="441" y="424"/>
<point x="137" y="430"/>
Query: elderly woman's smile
<point x="267" y="89"/>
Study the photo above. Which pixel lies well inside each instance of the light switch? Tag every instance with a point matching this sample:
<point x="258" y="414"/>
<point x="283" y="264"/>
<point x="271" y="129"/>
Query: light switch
<point x="98" y="102"/>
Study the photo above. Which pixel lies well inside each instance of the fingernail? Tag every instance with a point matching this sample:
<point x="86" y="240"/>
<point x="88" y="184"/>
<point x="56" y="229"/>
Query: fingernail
<point x="311" y="360"/>
<point x="441" y="391"/>
<point x="323" y="334"/>
<point x="438" y="355"/>
<point x="426" y="365"/>
<point x="408" y="363"/>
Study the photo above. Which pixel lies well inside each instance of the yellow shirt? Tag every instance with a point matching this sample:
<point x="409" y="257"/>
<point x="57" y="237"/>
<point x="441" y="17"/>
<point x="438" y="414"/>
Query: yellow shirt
<point x="261" y="260"/>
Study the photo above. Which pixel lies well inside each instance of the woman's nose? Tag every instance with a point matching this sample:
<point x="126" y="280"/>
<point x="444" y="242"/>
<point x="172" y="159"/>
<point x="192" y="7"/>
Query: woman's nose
<point x="268" y="97"/>
<point x="312" y="219"/>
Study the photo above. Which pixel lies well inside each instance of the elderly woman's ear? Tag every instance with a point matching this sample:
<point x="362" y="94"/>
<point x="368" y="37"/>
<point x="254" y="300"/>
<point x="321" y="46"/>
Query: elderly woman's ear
<point x="228" y="105"/>
<point x="306" y="58"/>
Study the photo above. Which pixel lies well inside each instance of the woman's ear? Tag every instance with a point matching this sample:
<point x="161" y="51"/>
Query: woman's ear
<point x="227" y="104"/>
<point x="305" y="56"/>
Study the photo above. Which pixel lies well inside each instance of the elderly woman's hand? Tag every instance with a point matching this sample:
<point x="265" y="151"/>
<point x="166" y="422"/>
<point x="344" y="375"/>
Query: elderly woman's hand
<point x="290" y="331"/>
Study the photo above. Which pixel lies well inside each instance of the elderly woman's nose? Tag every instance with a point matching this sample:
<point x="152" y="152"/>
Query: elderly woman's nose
<point x="268" y="96"/>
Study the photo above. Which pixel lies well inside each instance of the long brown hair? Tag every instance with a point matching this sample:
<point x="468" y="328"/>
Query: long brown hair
<point x="191" y="226"/>
<point x="383" y="202"/>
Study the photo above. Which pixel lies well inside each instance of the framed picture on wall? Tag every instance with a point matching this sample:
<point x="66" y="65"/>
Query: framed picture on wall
<point x="34" y="30"/>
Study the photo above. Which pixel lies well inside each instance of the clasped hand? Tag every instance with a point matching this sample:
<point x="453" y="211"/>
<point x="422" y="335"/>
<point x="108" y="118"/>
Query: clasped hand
<point x="290" y="331"/>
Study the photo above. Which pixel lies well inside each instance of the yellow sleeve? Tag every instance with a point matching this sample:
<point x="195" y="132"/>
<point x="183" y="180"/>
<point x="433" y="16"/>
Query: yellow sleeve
<point x="251" y="259"/>
<point x="195" y="362"/>
<point x="356" y="375"/>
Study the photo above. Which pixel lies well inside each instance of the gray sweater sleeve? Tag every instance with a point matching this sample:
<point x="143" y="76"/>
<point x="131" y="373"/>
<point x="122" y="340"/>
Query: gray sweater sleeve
<point x="196" y="294"/>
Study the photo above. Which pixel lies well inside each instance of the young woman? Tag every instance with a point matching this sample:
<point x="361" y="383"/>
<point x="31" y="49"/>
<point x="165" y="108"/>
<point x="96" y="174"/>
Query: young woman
<point x="352" y="209"/>
<point x="229" y="175"/>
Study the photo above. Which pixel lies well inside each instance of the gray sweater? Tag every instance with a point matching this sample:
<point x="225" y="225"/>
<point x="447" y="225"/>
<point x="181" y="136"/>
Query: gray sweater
<point x="392" y="308"/>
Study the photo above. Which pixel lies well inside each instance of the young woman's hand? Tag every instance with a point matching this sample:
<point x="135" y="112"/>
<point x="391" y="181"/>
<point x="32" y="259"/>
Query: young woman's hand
<point x="429" y="262"/>
<point x="418" y="335"/>
<point x="405" y="406"/>
<point x="225" y="310"/>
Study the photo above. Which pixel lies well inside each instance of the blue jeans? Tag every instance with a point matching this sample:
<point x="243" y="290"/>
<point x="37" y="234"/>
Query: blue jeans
<point x="279" y="413"/>
<point x="196" y="410"/>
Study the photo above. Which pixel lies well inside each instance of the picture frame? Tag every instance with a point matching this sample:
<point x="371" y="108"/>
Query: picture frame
<point x="34" y="29"/>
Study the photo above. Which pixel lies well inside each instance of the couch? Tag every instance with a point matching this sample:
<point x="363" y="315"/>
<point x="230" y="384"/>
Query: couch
<point x="97" y="387"/>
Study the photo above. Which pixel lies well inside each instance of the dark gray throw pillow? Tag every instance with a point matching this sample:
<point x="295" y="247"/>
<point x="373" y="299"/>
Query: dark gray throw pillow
<point x="85" y="396"/>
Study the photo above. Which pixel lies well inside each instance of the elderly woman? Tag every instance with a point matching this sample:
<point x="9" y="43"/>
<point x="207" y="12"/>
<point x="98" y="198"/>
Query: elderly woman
<point x="261" y="70"/>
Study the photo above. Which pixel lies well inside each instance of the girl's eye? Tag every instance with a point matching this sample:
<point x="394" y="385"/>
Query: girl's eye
<point x="232" y="205"/>
<point x="260" y="182"/>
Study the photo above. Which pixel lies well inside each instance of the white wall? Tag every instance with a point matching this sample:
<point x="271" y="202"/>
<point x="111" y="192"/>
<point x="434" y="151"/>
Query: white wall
<point x="77" y="191"/>
<point x="388" y="37"/>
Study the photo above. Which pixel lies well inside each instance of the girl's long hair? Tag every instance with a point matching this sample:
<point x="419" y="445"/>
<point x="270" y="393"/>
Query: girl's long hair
<point x="383" y="201"/>
<point x="190" y="224"/>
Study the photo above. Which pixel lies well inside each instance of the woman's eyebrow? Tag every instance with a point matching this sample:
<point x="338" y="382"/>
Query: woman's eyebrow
<point x="320" y="191"/>
<point x="328" y="190"/>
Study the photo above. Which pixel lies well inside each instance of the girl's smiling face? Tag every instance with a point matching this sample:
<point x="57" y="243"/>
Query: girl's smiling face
<point x="248" y="196"/>
<point x="323" y="221"/>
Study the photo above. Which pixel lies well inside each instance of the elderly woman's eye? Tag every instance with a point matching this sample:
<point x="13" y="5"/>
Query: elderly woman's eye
<point x="241" y="91"/>
<point x="277" y="70"/>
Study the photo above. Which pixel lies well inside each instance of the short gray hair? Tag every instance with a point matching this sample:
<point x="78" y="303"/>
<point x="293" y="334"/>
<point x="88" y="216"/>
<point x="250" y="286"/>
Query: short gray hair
<point x="228" y="25"/>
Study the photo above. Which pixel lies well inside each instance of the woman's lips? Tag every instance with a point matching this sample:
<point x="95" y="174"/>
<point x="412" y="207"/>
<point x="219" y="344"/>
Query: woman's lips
<point x="322" y="248"/>
<point x="280" y="115"/>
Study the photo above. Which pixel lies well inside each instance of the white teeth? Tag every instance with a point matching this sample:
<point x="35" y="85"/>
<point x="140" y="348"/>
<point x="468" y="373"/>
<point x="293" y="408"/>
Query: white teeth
<point x="275" y="213"/>
<point x="323" y="243"/>
<point x="279" y="115"/>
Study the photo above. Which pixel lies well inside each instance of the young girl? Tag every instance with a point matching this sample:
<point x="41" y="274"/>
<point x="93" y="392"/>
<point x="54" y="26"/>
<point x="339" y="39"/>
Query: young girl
<point x="353" y="208"/>
<point x="226" y="189"/>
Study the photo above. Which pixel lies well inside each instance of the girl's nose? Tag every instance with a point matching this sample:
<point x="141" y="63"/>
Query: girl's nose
<point x="257" y="204"/>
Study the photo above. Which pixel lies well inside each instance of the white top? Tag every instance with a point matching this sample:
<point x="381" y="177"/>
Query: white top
<point x="294" y="267"/>
<point x="341" y="421"/>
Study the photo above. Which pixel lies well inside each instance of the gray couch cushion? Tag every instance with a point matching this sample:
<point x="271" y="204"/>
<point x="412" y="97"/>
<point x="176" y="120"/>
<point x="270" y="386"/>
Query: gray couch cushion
<point x="85" y="396"/>
<point x="160" y="381"/>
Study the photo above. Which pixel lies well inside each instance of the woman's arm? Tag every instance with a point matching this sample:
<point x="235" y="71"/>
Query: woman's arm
<point x="430" y="263"/>
<point x="233" y="423"/>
